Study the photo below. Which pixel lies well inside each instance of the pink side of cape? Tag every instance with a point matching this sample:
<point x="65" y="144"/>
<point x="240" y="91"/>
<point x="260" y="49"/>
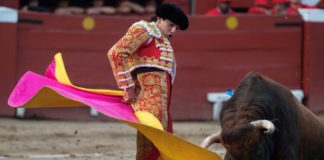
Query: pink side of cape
<point x="31" y="83"/>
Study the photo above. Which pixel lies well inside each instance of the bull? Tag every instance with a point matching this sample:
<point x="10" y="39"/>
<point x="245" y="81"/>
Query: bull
<point x="264" y="121"/>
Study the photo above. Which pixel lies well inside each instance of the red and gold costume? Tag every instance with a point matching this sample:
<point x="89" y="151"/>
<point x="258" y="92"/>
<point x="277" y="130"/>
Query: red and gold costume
<point x="142" y="46"/>
<point x="144" y="58"/>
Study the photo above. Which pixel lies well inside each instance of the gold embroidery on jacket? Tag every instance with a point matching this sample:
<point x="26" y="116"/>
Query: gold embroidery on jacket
<point x="123" y="55"/>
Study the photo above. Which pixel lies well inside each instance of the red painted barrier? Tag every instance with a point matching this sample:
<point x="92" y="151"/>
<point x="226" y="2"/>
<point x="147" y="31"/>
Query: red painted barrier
<point x="313" y="65"/>
<point x="321" y="4"/>
<point x="211" y="55"/>
<point x="8" y="42"/>
<point x="10" y="3"/>
<point x="212" y="58"/>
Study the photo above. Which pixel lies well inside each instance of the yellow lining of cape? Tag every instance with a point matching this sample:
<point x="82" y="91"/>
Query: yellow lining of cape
<point x="171" y="147"/>
<point x="62" y="77"/>
<point x="149" y="119"/>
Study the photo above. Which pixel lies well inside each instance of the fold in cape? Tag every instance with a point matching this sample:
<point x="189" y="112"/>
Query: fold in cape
<point x="54" y="89"/>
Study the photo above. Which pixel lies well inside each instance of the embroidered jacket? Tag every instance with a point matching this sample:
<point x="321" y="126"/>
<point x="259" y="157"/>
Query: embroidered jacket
<point x="142" y="46"/>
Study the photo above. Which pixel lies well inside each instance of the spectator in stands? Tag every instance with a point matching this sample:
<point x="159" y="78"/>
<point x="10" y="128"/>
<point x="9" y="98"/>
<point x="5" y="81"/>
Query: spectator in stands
<point x="138" y="6"/>
<point x="151" y="5"/>
<point x="64" y="8"/>
<point x="280" y="7"/>
<point x="295" y="5"/>
<point x="223" y="7"/>
<point x="127" y="6"/>
<point x="33" y="5"/>
<point x="144" y="66"/>
<point x="99" y="7"/>
<point x="260" y="7"/>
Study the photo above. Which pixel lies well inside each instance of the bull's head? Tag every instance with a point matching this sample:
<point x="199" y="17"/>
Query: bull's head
<point x="246" y="120"/>
<point x="242" y="141"/>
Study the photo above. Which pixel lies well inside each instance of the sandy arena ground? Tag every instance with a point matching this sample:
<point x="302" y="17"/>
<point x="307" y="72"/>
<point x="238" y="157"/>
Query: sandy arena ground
<point x="68" y="140"/>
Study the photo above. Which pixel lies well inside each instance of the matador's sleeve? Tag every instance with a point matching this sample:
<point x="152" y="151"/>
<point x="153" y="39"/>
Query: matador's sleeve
<point x="123" y="51"/>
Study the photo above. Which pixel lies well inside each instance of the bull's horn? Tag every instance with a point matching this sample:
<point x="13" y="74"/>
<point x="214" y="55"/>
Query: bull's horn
<point x="213" y="138"/>
<point x="264" y="124"/>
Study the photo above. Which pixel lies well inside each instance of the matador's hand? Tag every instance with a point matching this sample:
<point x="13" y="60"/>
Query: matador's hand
<point x="130" y="95"/>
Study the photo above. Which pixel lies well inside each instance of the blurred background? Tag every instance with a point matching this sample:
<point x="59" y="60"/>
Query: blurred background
<point x="227" y="39"/>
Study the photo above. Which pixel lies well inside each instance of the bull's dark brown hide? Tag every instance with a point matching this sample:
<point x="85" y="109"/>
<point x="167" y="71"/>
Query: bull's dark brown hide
<point x="299" y="134"/>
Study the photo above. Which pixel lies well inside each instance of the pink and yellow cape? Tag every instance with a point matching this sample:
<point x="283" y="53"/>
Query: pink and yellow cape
<point x="54" y="89"/>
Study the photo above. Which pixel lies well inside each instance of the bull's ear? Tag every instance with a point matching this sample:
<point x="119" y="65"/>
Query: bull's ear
<point x="213" y="138"/>
<point x="265" y="125"/>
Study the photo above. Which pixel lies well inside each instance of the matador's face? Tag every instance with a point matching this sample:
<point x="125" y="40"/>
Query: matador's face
<point x="167" y="27"/>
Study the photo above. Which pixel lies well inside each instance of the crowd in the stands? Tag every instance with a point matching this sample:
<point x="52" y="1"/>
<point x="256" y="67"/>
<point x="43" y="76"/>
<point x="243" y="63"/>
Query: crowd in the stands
<point x="91" y="7"/>
<point x="113" y="7"/>
<point x="275" y="7"/>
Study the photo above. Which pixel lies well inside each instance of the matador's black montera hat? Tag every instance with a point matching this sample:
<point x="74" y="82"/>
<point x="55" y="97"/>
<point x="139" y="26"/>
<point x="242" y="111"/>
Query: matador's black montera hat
<point x="173" y="13"/>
